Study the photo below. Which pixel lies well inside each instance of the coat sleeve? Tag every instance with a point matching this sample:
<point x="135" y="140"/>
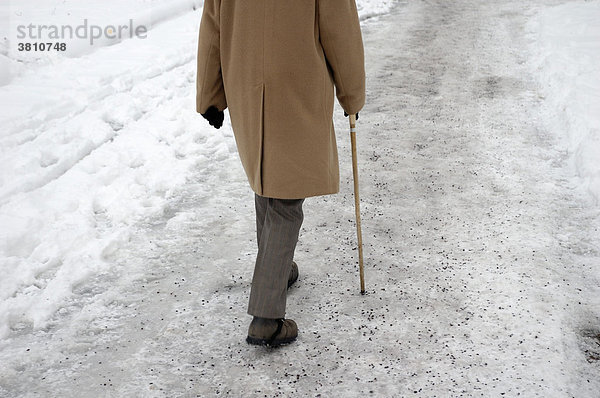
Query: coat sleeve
<point x="209" y="80"/>
<point x="341" y="38"/>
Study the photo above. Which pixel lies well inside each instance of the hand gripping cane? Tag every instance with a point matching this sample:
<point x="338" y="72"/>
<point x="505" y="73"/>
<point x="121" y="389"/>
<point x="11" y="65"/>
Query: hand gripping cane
<point x="357" y="202"/>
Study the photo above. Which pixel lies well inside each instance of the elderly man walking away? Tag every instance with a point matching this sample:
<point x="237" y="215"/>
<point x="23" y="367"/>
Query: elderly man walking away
<point x="274" y="64"/>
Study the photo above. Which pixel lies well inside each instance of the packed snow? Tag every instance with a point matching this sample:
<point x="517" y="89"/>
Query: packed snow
<point x="568" y="66"/>
<point x="126" y="222"/>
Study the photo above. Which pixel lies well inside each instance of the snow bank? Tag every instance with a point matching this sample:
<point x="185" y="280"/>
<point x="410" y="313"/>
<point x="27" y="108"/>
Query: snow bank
<point x="567" y="63"/>
<point x="17" y="16"/>
<point x="371" y="8"/>
<point x="89" y="147"/>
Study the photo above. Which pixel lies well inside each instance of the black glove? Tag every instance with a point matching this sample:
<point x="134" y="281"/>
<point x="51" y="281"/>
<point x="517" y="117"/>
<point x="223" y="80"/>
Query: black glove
<point x="345" y="114"/>
<point x="214" y="116"/>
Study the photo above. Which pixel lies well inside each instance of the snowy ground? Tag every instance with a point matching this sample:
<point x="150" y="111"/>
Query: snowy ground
<point x="567" y="61"/>
<point x="127" y="227"/>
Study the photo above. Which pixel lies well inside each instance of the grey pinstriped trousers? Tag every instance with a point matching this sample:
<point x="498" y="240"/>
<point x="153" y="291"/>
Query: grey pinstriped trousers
<point x="278" y="223"/>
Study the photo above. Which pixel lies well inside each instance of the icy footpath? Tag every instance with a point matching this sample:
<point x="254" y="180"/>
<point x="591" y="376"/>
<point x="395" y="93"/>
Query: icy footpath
<point x="130" y="262"/>
<point x="568" y="65"/>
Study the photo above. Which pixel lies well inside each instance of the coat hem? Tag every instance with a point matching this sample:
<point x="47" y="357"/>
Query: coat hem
<point x="291" y="196"/>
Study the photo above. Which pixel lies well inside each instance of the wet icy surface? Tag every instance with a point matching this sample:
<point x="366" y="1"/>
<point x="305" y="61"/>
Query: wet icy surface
<point x="482" y="262"/>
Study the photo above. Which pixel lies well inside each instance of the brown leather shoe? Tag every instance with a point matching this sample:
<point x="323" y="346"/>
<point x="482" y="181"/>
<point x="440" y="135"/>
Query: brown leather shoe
<point x="271" y="332"/>
<point x="293" y="274"/>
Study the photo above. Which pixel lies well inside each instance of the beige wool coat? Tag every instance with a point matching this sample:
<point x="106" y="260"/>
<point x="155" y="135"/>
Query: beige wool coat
<point x="274" y="64"/>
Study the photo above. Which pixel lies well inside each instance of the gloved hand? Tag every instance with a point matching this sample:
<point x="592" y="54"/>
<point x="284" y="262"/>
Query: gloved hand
<point x="214" y="116"/>
<point x="345" y="114"/>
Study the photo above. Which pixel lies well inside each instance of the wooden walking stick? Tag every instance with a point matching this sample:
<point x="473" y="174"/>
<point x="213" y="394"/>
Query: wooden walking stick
<point x="357" y="202"/>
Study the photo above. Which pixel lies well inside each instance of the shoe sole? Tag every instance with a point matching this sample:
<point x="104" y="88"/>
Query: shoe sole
<point x="290" y="283"/>
<point x="268" y="343"/>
